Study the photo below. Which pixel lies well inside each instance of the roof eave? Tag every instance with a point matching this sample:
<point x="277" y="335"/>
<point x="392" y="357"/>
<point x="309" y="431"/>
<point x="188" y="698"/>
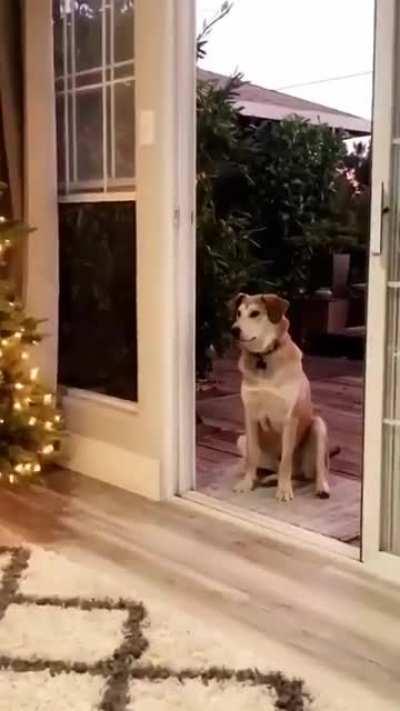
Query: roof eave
<point x="274" y="112"/>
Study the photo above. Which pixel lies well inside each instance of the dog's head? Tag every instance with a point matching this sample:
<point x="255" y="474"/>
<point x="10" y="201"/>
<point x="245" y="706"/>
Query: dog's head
<point x="258" y="320"/>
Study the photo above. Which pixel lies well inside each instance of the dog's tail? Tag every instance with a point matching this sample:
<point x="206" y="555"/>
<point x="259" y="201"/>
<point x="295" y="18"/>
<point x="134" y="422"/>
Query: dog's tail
<point x="334" y="451"/>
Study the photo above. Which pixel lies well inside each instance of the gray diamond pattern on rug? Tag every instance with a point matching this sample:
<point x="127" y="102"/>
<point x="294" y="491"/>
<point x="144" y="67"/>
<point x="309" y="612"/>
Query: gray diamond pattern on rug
<point x="84" y="654"/>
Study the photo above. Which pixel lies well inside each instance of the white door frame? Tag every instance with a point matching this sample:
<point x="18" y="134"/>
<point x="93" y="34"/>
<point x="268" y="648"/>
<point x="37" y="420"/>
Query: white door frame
<point x="386" y="77"/>
<point x="185" y="83"/>
<point x="185" y="242"/>
<point x="384" y="80"/>
<point x="374" y="560"/>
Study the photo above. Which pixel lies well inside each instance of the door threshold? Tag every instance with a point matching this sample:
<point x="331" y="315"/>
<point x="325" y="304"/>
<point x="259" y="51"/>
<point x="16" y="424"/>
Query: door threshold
<point x="278" y="530"/>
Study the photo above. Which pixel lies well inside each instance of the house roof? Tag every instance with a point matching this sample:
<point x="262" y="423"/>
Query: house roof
<point x="258" y="102"/>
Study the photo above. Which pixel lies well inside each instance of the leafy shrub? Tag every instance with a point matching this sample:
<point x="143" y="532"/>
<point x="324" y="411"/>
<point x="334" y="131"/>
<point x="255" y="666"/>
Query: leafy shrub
<point x="294" y="172"/>
<point x="271" y="199"/>
<point x="225" y="262"/>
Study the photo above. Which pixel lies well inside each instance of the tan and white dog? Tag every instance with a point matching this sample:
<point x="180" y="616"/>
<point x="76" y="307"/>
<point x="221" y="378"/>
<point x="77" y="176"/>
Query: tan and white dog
<point x="283" y="432"/>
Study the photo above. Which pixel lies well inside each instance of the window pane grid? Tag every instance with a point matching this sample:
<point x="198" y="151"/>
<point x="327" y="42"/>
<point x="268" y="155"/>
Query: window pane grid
<point x="87" y="72"/>
<point x="97" y="133"/>
<point x="97" y="85"/>
<point x="66" y="151"/>
<point x="112" y="93"/>
<point x="104" y="90"/>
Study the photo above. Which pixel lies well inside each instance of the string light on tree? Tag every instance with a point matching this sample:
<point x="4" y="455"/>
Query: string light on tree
<point x="48" y="449"/>
<point x="31" y="424"/>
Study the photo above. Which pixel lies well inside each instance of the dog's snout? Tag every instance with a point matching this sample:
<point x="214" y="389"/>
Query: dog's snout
<point x="235" y="330"/>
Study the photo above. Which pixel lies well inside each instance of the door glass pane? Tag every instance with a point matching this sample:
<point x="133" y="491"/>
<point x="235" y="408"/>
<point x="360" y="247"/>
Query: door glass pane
<point x="123" y="30"/>
<point x="94" y="68"/>
<point x="95" y="111"/>
<point x="60" y="138"/>
<point x="97" y="339"/>
<point x="58" y="13"/>
<point x="88" y="34"/>
<point x="92" y="78"/>
<point x="124" y="98"/>
<point x="89" y="135"/>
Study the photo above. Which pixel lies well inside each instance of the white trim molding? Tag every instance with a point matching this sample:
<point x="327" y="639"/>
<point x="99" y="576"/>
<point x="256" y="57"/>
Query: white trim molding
<point x="117" y="196"/>
<point x="114" y="465"/>
<point x="98" y="398"/>
<point x="185" y="239"/>
<point x="384" y="565"/>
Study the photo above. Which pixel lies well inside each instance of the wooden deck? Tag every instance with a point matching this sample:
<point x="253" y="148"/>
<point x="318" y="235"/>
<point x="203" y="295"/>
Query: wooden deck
<point x="337" y="386"/>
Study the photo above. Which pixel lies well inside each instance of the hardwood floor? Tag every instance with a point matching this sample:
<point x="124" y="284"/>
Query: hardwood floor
<point x="337" y="387"/>
<point x="323" y="612"/>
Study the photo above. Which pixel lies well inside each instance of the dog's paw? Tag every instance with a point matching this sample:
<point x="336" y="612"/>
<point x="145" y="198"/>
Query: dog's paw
<point x="323" y="492"/>
<point x="284" y="492"/>
<point x="243" y="485"/>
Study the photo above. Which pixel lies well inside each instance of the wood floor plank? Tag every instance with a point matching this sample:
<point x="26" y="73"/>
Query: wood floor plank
<point x="323" y="611"/>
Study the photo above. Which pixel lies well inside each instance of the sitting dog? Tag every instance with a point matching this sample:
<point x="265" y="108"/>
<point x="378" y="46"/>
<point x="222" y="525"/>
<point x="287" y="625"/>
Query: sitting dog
<point x="283" y="432"/>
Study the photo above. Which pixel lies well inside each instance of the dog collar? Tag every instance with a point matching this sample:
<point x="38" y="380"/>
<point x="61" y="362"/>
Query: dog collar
<point x="261" y="358"/>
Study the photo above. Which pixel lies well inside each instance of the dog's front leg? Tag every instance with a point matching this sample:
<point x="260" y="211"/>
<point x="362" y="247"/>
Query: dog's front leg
<point x="285" y="490"/>
<point x="252" y="456"/>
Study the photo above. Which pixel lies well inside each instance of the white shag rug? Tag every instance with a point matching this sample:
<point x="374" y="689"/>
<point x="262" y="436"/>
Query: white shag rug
<point x="66" y="644"/>
<point x="69" y="642"/>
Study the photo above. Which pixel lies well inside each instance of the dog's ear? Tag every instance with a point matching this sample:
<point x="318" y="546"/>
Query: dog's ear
<point x="235" y="302"/>
<point x="276" y="307"/>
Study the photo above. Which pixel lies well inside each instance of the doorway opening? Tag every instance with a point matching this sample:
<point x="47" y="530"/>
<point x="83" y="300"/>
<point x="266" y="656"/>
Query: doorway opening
<point x="283" y="203"/>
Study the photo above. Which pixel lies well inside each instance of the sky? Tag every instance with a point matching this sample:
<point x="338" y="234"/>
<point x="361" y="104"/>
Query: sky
<point x="282" y="43"/>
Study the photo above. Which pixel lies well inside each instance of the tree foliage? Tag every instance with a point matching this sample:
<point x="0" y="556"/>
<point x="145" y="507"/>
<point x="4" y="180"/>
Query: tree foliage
<point x="224" y="257"/>
<point x="357" y="180"/>
<point x="293" y="176"/>
<point x="273" y="198"/>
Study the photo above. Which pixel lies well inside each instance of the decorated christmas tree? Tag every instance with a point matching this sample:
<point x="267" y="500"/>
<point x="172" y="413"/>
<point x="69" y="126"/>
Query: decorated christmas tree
<point x="30" y="423"/>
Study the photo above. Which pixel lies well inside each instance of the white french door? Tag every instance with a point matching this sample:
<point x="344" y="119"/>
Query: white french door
<point x="112" y="87"/>
<point x="381" y="500"/>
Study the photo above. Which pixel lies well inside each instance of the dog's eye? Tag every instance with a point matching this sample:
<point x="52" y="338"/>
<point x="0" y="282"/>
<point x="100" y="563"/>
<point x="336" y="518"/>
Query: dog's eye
<point x="254" y="314"/>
